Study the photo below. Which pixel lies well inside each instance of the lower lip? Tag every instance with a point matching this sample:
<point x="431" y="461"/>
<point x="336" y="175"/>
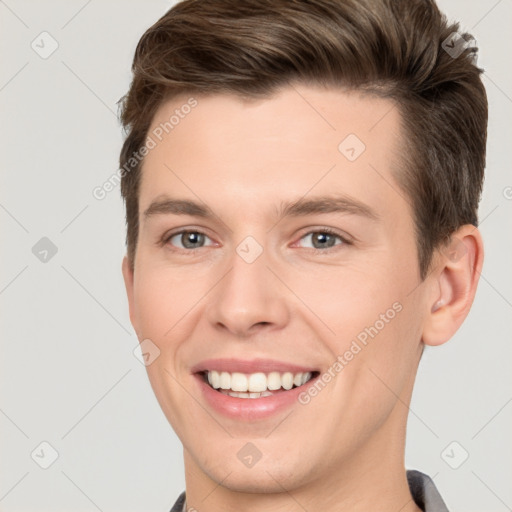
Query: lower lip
<point x="250" y="408"/>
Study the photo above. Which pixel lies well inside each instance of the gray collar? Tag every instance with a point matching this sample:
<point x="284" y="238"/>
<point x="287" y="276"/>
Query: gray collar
<point x="424" y="492"/>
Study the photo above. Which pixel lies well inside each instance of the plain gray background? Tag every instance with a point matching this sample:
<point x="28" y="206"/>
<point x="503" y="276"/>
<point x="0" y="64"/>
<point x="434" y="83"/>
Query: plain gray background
<point x="68" y="373"/>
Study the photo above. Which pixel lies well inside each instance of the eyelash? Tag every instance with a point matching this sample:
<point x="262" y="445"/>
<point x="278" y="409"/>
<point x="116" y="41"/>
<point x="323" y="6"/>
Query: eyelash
<point x="165" y="240"/>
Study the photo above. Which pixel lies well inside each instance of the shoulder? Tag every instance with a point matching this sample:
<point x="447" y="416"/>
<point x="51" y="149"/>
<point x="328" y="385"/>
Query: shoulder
<point x="424" y="492"/>
<point x="180" y="502"/>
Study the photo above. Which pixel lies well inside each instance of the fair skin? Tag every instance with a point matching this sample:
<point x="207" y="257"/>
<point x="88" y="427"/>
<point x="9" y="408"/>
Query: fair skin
<point x="301" y="302"/>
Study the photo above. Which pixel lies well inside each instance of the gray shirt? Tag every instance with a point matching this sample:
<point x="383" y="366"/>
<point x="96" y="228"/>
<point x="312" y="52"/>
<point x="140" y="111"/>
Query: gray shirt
<point x="422" y="488"/>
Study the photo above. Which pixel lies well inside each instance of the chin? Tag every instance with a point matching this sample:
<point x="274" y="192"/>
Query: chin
<point x="257" y="480"/>
<point x="268" y="475"/>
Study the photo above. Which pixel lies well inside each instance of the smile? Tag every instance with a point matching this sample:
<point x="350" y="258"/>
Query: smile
<point x="250" y="390"/>
<point x="255" y="385"/>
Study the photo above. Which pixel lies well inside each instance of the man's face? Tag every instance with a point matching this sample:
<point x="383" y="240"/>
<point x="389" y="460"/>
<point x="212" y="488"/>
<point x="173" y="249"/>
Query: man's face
<point x="257" y="286"/>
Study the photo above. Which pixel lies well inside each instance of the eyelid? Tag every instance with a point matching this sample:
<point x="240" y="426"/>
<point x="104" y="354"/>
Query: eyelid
<point x="345" y="237"/>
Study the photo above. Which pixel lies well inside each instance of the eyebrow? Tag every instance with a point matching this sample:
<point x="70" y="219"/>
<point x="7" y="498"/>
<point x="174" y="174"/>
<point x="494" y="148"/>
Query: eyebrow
<point x="301" y="207"/>
<point x="166" y="205"/>
<point x="328" y="204"/>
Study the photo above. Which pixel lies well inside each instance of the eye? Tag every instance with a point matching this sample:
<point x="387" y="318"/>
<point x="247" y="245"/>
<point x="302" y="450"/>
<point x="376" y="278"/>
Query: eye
<point x="324" y="239"/>
<point x="187" y="239"/>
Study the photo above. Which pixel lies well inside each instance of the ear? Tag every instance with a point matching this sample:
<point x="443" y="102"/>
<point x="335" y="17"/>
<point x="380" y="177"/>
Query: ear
<point x="454" y="282"/>
<point x="128" y="283"/>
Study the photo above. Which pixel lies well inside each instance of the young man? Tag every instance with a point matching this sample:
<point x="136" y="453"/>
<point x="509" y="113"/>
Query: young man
<point x="301" y="181"/>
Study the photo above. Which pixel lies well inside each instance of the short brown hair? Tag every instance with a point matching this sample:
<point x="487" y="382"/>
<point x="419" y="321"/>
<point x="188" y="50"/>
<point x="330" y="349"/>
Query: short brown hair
<point x="395" y="49"/>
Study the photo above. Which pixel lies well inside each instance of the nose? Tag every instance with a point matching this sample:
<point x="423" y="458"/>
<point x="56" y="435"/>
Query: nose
<point x="248" y="299"/>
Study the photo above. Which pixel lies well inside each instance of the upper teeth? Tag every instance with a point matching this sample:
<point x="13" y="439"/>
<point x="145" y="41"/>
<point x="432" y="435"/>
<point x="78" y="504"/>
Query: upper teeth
<point x="256" y="382"/>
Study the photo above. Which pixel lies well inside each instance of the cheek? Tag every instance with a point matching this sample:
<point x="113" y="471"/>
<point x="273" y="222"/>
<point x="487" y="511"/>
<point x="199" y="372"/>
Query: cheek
<point x="371" y="316"/>
<point x="348" y="300"/>
<point x="384" y="367"/>
<point x="164" y="299"/>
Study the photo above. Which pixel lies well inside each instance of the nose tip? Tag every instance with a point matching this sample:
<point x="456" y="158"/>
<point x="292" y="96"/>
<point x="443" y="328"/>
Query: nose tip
<point x="248" y="299"/>
<point x="243" y="323"/>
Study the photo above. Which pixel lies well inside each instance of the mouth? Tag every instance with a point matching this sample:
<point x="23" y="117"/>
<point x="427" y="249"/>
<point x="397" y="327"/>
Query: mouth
<point x="255" y="385"/>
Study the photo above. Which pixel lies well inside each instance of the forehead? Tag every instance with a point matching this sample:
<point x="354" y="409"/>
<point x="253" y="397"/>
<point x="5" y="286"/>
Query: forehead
<point x="300" y="139"/>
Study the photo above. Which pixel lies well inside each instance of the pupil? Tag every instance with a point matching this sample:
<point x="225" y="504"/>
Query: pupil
<point x="192" y="239"/>
<point x="322" y="238"/>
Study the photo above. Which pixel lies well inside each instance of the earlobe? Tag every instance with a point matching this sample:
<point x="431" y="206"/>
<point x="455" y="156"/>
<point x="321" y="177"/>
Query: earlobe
<point x="128" y="283"/>
<point x="455" y="282"/>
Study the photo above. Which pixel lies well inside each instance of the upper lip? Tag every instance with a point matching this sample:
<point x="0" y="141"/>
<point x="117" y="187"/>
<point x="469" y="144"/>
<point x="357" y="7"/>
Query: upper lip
<point x="249" y="366"/>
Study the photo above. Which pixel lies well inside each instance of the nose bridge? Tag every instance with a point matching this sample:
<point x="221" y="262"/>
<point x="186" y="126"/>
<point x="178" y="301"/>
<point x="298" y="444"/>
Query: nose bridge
<point x="249" y="293"/>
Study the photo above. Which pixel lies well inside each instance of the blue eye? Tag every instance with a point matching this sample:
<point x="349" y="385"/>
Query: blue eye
<point x="188" y="239"/>
<point x="324" y="239"/>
